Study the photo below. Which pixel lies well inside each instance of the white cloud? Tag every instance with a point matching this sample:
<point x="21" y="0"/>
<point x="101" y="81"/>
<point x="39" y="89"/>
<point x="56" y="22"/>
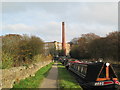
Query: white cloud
<point x="19" y="28"/>
<point x="52" y="30"/>
<point x="60" y="1"/>
<point x="75" y="30"/>
<point x="44" y="19"/>
<point x="89" y="12"/>
<point x="46" y="32"/>
<point x="104" y="13"/>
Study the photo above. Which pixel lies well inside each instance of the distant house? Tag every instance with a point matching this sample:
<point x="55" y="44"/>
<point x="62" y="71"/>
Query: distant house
<point x="57" y="46"/>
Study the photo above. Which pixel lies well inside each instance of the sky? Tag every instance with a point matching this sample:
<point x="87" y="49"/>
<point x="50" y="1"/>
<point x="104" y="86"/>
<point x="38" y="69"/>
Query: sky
<point x="43" y="19"/>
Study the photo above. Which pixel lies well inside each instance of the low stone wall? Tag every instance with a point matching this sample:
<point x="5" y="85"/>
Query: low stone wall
<point x="15" y="74"/>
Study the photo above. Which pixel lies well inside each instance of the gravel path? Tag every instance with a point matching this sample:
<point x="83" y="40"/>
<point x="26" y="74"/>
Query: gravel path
<point x="51" y="80"/>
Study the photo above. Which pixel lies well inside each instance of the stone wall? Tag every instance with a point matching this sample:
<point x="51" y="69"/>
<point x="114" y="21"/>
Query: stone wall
<point x="15" y="74"/>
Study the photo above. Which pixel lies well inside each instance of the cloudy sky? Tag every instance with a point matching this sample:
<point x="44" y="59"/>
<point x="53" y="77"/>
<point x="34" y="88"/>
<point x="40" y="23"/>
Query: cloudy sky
<point x="44" y="19"/>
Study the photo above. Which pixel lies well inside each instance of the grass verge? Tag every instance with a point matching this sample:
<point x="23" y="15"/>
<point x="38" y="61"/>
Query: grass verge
<point x="34" y="81"/>
<point x="65" y="80"/>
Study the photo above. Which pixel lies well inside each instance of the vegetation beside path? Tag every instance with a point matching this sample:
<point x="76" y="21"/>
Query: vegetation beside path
<point x="22" y="50"/>
<point x="65" y="80"/>
<point x="34" y="81"/>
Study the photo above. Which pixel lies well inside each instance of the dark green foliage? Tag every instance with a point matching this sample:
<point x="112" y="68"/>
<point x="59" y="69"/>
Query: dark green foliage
<point x="106" y="48"/>
<point x="75" y="51"/>
<point x="92" y="46"/>
<point x="79" y="50"/>
<point x="60" y="52"/>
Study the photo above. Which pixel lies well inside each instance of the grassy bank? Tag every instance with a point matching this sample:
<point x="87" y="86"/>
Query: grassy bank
<point x="34" y="81"/>
<point x="65" y="79"/>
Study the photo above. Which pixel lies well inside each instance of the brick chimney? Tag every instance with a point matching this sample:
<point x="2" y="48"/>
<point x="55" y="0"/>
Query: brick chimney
<point x="63" y="39"/>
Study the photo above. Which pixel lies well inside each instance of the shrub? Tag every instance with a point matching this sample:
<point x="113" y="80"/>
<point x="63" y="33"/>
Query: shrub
<point x="7" y="60"/>
<point x="20" y="49"/>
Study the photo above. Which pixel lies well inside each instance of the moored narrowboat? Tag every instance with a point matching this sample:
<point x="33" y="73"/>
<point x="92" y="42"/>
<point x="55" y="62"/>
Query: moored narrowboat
<point x="95" y="75"/>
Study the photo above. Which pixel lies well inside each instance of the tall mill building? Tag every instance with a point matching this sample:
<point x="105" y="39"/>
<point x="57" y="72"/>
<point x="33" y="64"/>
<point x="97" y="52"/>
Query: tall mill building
<point x="58" y="45"/>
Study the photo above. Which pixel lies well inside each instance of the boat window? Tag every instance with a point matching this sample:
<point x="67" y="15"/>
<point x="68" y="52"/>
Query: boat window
<point x="81" y="69"/>
<point x="73" y="66"/>
<point x="78" y="68"/>
<point x="84" y="70"/>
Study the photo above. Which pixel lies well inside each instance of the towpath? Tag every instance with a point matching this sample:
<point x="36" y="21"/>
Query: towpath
<point x="51" y="80"/>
